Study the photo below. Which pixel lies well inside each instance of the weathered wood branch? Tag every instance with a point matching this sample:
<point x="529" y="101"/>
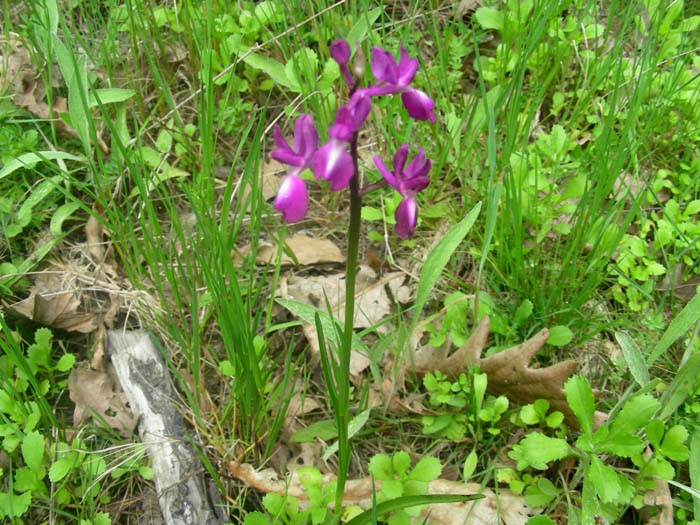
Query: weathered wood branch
<point x="183" y="491"/>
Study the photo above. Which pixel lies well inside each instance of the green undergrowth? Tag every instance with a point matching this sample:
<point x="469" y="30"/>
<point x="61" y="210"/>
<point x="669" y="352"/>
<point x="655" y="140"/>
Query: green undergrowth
<point x="574" y="124"/>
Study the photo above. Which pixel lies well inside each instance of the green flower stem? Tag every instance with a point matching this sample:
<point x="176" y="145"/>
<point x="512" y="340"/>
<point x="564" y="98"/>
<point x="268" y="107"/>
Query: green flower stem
<point x="343" y="380"/>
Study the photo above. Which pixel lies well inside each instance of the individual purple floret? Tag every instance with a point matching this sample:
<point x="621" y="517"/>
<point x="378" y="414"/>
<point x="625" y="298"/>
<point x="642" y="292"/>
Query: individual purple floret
<point x="292" y="199"/>
<point x="332" y="161"/>
<point x="396" y="78"/>
<point x="408" y="181"/>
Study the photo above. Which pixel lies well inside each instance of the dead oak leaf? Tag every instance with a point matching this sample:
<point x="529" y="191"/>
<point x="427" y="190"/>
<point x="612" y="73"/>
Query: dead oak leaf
<point x="95" y="392"/>
<point x="51" y="304"/>
<point x="302" y="250"/>
<point x="508" y="372"/>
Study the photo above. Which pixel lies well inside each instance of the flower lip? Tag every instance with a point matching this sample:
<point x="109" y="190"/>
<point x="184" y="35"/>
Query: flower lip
<point x="292" y="199"/>
<point x="406" y="217"/>
<point x="418" y="105"/>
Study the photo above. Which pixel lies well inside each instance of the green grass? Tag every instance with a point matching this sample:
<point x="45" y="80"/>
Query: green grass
<point x="574" y="124"/>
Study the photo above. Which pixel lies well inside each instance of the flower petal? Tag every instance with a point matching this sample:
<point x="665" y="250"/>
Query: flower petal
<point x="406" y="216"/>
<point x="418" y="104"/>
<point x="292" y="199"/>
<point x="416" y="173"/>
<point x="407" y="68"/>
<point x="360" y="106"/>
<point x="305" y="137"/>
<point x="333" y="163"/>
<point x="350" y="117"/>
<point x="384" y="67"/>
<point x="375" y="91"/>
<point x="283" y="153"/>
<point x="388" y="176"/>
<point x="400" y="161"/>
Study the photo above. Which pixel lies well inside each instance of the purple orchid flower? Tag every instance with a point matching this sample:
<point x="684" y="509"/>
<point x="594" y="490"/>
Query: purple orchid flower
<point x="396" y="78"/>
<point x="292" y="199"/>
<point x="408" y="181"/>
<point x="333" y="162"/>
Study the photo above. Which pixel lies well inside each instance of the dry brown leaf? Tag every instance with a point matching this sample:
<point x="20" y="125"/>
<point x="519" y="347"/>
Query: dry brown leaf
<point x="93" y="237"/>
<point x="504" y="508"/>
<point x="50" y="304"/>
<point x="96" y="392"/>
<point x="372" y="303"/>
<point x="304" y="251"/>
<point x="508" y="372"/>
<point x="18" y="77"/>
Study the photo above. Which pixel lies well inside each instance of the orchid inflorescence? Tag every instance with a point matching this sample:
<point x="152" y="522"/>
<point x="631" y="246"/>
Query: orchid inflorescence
<point x="334" y="163"/>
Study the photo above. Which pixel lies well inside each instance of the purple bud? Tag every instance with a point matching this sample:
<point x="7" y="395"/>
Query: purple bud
<point x="340" y="51"/>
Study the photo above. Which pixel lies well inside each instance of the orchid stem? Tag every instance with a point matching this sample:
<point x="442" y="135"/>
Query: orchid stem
<point x="343" y="417"/>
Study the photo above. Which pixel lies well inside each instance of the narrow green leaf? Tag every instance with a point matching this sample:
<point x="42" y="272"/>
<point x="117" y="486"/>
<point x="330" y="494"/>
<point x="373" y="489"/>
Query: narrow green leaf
<point x="308" y="313"/>
<point x="679" y="326"/>
<point x="358" y="31"/>
<point x="694" y="468"/>
<point x="38" y="194"/>
<point x="405" y="502"/>
<point x="77" y="93"/>
<point x="437" y="260"/>
<point x="29" y="160"/>
<point x="110" y="96"/>
<point x="354" y="427"/>
<point x="579" y="396"/>
<point x="60" y="215"/>
<point x="633" y="358"/>
<point x="324" y="430"/>
<point x="469" y="465"/>
<point x="678" y="390"/>
<point x="274" y="69"/>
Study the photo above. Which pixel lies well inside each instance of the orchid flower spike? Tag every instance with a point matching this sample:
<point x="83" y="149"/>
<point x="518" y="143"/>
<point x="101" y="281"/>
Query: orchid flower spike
<point x="333" y="162"/>
<point x="292" y="199"/>
<point x="396" y="78"/>
<point x="408" y="181"/>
